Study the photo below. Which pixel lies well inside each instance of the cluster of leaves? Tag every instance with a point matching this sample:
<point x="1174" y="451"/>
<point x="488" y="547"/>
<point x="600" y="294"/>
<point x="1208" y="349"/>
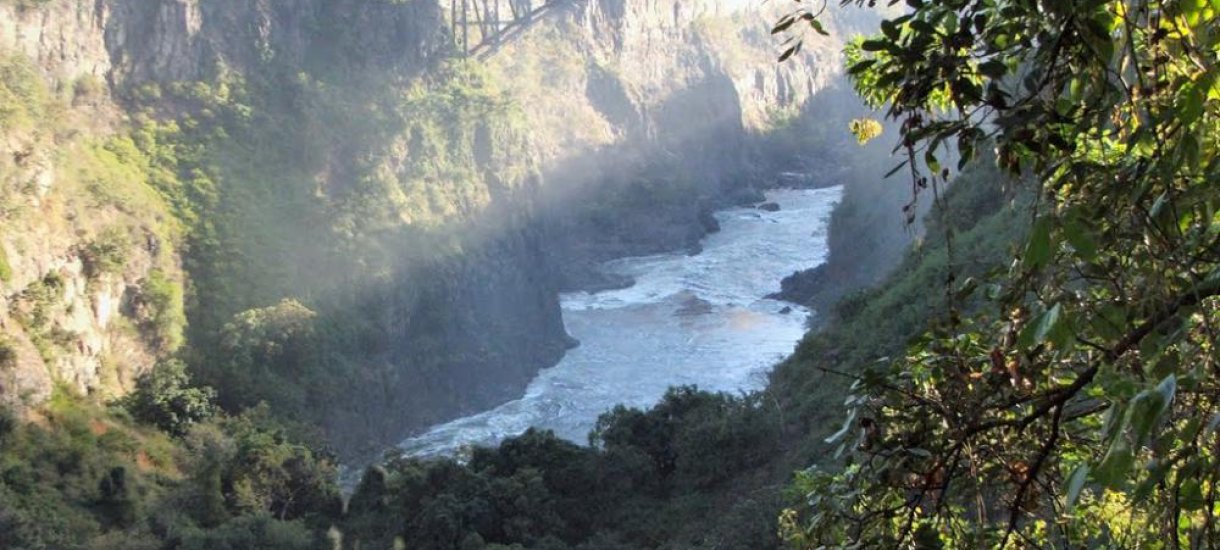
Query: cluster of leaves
<point x="107" y="253"/>
<point x="161" y="303"/>
<point x="90" y="478"/>
<point x="1071" y="398"/>
<point x="164" y="398"/>
<point x="87" y="477"/>
<point x="648" y="475"/>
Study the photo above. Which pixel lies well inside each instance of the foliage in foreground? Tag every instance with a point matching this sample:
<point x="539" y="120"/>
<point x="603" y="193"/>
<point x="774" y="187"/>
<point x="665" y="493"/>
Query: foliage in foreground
<point x="1077" y="405"/>
<point x="91" y="478"/>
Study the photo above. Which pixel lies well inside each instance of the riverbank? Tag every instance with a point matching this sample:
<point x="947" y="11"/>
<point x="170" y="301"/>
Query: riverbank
<point x="700" y="320"/>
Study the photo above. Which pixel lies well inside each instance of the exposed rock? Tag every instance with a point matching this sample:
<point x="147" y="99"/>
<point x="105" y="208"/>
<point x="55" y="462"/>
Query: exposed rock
<point x="769" y="207"/>
<point x="708" y="220"/>
<point x="639" y="117"/>
<point x="693" y="305"/>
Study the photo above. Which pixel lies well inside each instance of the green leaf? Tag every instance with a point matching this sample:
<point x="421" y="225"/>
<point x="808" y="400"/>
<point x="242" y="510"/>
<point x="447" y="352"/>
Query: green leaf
<point x="818" y="28"/>
<point x="1190" y="498"/>
<point x="1112" y="472"/>
<point x="1157" y="469"/>
<point x="861" y="66"/>
<point x="1042" y="328"/>
<point x="1038" y="249"/>
<point x="789" y="52"/>
<point x="1190" y="103"/>
<point x="783" y="24"/>
<point x="994" y="69"/>
<point x="1149" y="406"/>
<point x="874" y="45"/>
<point x="1167" y="389"/>
<point x="1075" y="482"/>
<point x="1080" y="238"/>
<point x="890" y="30"/>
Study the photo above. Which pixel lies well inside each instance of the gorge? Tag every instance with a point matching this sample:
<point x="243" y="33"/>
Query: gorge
<point x="609" y="274"/>
<point x="262" y="223"/>
<point x="687" y="320"/>
<point x="412" y="216"/>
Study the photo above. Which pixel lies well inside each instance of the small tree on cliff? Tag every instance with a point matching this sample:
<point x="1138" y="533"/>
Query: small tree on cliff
<point x="165" y="398"/>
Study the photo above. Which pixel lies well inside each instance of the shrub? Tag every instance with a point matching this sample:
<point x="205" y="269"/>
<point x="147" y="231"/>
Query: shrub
<point x="165" y="399"/>
<point x="107" y="253"/>
<point x="166" y="318"/>
<point x="37" y="300"/>
<point x="87" y="88"/>
<point x="8" y="354"/>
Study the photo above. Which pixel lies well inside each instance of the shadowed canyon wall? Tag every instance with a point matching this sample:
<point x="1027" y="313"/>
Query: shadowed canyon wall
<point x="339" y="212"/>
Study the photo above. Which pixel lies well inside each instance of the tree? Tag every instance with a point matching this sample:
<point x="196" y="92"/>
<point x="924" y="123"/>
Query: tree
<point x="264" y="353"/>
<point x="165" y="399"/>
<point x="118" y="502"/>
<point x="1078" y="405"/>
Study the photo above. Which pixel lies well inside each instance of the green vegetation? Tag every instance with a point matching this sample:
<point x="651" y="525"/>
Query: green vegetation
<point x="88" y="478"/>
<point x="6" y="270"/>
<point x="32" y="306"/>
<point x="163" y="398"/>
<point x="23" y="95"/>
<point x="643" y="482"/>
<point x="166" y="467"/>
<point x="321" y="191"/>
<point x="107" y="253"/>
<point x="165" y="317"/>
<point x="8" y="353"/>
<point x="1039" y="371"/>
<point x="75" y="180"/>
<point x="1066" y="400"/>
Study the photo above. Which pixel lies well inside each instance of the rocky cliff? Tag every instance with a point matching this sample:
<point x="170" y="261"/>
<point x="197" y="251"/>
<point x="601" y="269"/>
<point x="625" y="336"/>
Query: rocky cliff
<point x="90" y="280"/>
<point x="419" y="205"/>
<point x="648" y="115"/>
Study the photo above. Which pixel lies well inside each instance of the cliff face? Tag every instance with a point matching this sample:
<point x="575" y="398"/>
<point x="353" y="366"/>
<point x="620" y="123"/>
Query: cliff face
<point x="90" y="280"/>
<point x="648" y="115"/>
<point x="339" y="153"/>
<point x="135" y="41"/>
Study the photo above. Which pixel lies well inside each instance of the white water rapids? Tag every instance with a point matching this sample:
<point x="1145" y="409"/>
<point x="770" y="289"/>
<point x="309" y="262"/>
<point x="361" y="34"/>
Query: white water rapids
<point x="699" y="320"/>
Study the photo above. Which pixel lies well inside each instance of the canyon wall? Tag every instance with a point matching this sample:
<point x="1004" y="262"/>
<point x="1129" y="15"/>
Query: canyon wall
<point x="344" y="171"/>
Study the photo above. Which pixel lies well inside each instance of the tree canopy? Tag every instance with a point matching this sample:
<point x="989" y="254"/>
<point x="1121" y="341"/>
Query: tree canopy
<point x="1071" y="399"/>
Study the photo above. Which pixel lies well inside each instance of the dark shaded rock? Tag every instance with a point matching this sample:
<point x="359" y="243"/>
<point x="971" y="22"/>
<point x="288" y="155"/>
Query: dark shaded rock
<point x="801" y="286"/>
<point x="693" y="305"/>
<point x="769" y="207"/>
<point x="708" y="220"/>
<point x="786" y="310"/>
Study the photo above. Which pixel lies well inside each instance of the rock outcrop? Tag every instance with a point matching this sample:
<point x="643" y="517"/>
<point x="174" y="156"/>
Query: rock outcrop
<point x="604" y="128"/>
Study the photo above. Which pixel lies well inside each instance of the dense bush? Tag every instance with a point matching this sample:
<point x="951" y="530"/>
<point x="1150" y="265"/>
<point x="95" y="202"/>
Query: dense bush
<point x="90" y="479"/>
<point x="165" y="318"/>
<point x="539" y="491"/>
<point x="164" y="398"/>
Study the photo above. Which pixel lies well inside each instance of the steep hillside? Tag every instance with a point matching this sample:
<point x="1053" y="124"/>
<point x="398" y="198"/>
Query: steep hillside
<point x="90" y="276"/>
<point x="373" y="225"/>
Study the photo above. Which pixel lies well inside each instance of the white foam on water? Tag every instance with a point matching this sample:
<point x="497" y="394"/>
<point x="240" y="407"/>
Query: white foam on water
<point x="689" y="320"/>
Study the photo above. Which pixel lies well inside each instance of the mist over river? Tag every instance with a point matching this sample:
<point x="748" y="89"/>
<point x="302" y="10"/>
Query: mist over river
<point x="689" y="320"/>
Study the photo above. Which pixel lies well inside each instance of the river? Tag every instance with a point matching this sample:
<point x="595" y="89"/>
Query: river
<point x="689" y="319"/>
